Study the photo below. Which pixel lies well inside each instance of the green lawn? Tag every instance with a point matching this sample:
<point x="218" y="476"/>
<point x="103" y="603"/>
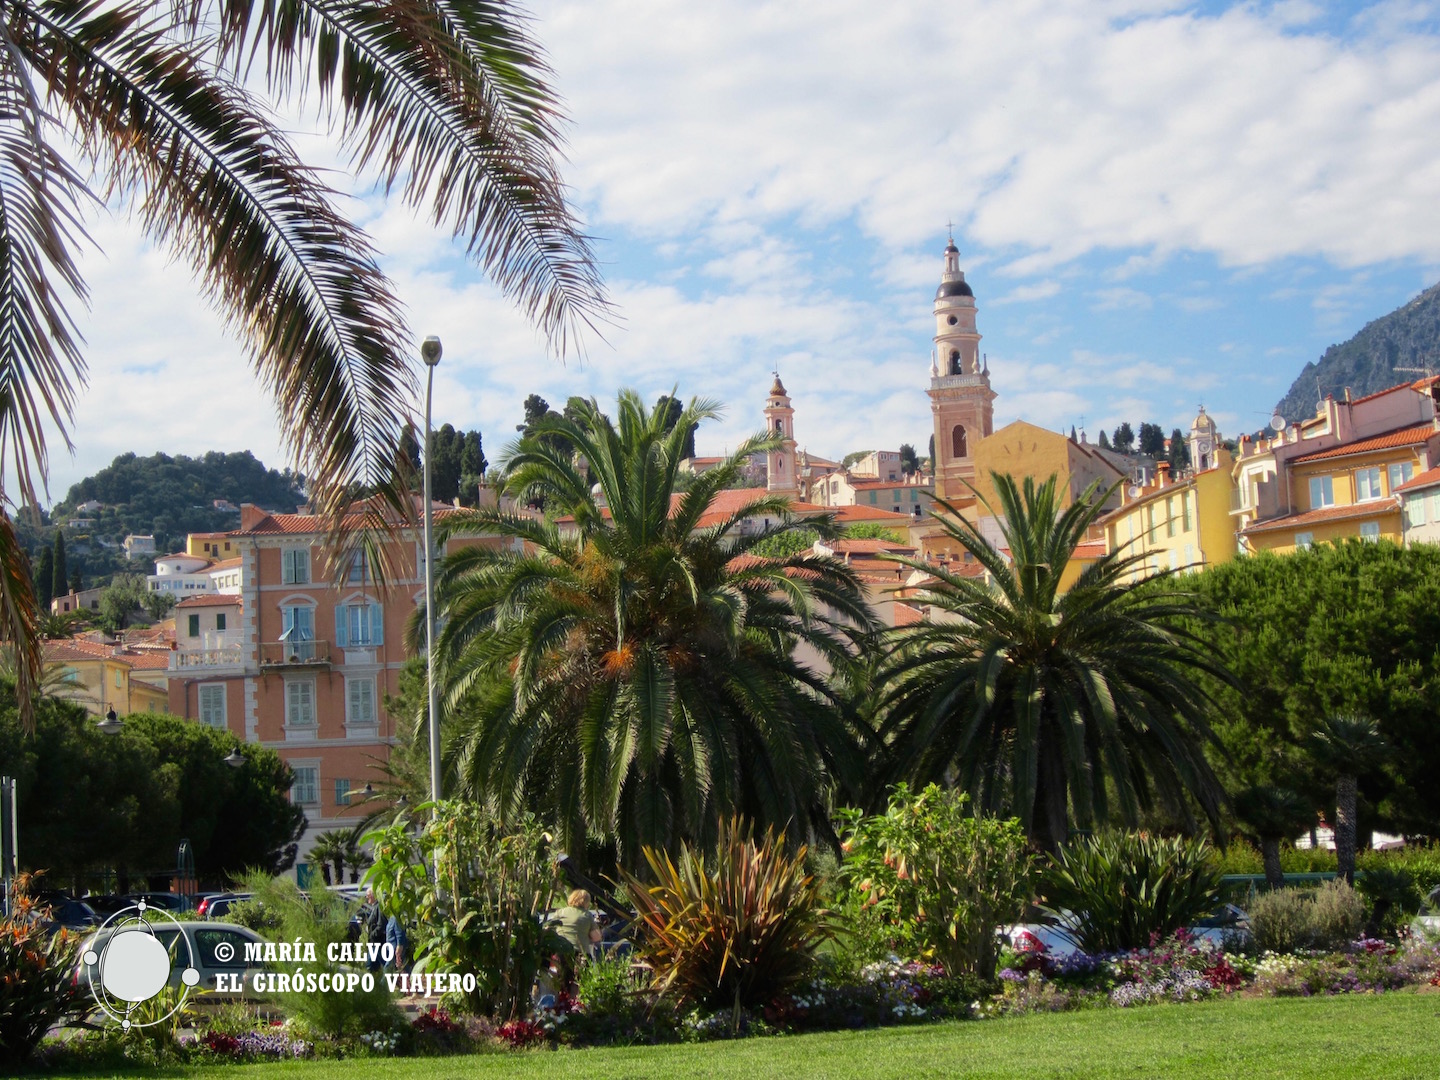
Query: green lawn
<point x="1391" y="1036"/>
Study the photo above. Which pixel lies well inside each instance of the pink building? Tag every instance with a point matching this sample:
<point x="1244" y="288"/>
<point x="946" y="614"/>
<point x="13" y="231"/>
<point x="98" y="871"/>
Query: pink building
<point x="301" y="666"/>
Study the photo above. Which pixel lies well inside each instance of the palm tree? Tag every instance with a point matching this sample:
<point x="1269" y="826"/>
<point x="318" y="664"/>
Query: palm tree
<point x="330" y="850"/>
<point x="171" y="108"/>
<point x="1052" y="704"/>
<point x="1272" y="814"/>
<point x="633" y="671"/>
<point x="1347" y="746"/>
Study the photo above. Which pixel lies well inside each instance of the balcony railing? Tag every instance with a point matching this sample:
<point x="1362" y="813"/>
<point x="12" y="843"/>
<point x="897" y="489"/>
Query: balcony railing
<point x="294" y="653"/>
<point x="228" y="656"/>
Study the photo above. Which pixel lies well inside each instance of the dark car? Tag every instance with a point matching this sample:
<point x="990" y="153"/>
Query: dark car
<point x="70" y="913"/>
<point x="167" y="901"/>
<point x="107" y="904"/>
<point x="218" y="907"/>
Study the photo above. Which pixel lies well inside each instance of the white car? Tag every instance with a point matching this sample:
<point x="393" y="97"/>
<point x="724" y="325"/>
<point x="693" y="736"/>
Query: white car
<point x="216" y="949"/>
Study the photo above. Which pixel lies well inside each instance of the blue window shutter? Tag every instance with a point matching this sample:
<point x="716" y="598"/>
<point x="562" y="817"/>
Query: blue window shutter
<point x="377" y="625"/>
<point x="342" y="632"/>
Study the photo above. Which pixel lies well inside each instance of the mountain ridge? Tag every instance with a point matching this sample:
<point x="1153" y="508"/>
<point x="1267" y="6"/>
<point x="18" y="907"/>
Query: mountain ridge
<point x="1408" y="337"/>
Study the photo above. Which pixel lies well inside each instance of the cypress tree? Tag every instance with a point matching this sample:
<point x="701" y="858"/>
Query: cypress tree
<point x="45" y="579"/>
<point x="60" y="573"/>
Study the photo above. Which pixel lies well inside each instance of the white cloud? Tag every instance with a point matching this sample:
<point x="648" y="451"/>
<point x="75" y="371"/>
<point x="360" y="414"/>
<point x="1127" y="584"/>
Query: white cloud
<point x="1025" y="294"/>
<point x="1054" y="127"/>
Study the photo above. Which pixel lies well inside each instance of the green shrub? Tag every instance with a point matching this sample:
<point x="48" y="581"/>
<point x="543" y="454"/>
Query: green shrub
<point x="1285" y="920"/>
<point x="322" y="918"/>
<point x="494" y="883"/>
<point x="1295" y="860"/>
<point x="1392" y="896"/>
<point x="1124" y="891"/>
<point x="35" y="978"/>
<point x="1337" y="915"/>
<point x="1239" y="857"/>
<point x="929" y="880"/>
<point x="734" y="930"/>
<point x="1280" y="920"/>
<point x="1420" y="861"/>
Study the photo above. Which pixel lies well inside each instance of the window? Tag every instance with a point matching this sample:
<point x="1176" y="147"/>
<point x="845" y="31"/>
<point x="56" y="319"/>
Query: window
<point x="874" y="498"/>
<point x="300" y="703"/>
<point x="1415" y="510"/>
<point x="192" y="622"/>
<point x="1174" y="560"/>
<point x="1401" y="474"/>
<point x="357" y="572"/>
<point x="220" y="621"/>
<point x="1367" y="484"/>
<point x="1322" y="492"/>
<point x="360" y="701"/>
<point x="1185" y="509"/>
<point x="1435" y="506"/>
<point x="342" y="792"/>
<point x="1170" y="518"/>
<point x="212" y="705"/>
<point x="295" y="566"/>
<point x="119" y="679"/>
<point x="297" y="630"/>
<point x="1189" y="554"/>
<point x="958" y="445"/>
<point x="1304" y="540"/>
<point x="208" y="940"/>
<point x="306" y="789"/>
<point x="359" y="625"/>
<point x="1370" y="530"/>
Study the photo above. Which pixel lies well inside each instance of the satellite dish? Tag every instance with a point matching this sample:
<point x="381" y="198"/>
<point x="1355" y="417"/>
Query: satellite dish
<point x="1133" y="491"/>
<point x="1278" y="422"/>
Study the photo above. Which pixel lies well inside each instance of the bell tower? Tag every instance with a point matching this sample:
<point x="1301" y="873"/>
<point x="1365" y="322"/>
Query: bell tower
<point x="961" y="400"/>
<point x="780" y="469"/>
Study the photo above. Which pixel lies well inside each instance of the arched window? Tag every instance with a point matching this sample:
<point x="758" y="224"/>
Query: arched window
<point x="955" y="362"/>
<point x="958" y="447"/>
<point x="779" y="425"/>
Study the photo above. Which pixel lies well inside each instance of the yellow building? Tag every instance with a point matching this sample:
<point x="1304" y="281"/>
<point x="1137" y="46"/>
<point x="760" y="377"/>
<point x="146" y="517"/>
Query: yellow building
<point x="1024" y="450"/>
<point x="98" y="676"/>
<point x="1181" y="526"/>
<point x="1347" y="491"/>
<point x="214" y="545"/>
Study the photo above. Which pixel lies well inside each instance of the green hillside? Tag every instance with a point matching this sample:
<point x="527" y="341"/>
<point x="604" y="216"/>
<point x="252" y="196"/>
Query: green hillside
<point x="1406" y="338"/>
<point x="162" y="495"/>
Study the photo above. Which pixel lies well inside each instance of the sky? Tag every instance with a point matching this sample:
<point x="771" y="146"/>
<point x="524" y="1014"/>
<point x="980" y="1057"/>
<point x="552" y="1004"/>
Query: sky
<point x="1158" y="205"/>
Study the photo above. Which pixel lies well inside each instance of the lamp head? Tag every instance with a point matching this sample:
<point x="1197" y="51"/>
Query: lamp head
<point x="431" y="350"/>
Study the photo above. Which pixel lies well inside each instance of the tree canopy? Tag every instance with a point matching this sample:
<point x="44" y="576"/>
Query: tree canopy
<point x="91" y="802"/>
<point x="1339" y="628"/>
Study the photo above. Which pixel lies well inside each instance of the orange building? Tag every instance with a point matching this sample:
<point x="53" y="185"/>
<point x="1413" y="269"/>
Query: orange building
<point x="301" y="666"/>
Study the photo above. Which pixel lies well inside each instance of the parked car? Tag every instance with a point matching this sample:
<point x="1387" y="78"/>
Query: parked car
<point x="107" y="904"/>
<point x="168" y="900"/>
<point x="218" y="906"/>
<point x="70" y="913"/>
<point x="217" y="948"/>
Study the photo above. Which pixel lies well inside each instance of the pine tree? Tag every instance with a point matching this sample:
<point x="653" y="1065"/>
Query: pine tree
<point x="1124" y="438"/>
<point x="1152" y="440"/>
<point x="60" y="573"/>
<point x="1104" y="441"/>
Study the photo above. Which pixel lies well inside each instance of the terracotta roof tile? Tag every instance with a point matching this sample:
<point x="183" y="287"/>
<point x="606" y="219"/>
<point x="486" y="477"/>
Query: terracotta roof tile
<point x="1410" y="436"/>
<point x="1091" y="549"/>
<point x="1426" y="479"/>
<point x="859" y="546"/>
<point x="1374" y="508"/>
<point x="905" y="615"/>
<point x="210" y="599"/>
<point x="226" y="564"/>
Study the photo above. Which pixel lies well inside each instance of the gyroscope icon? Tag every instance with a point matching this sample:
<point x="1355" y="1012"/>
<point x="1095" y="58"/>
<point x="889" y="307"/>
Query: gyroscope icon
<point x="128" y="963"/>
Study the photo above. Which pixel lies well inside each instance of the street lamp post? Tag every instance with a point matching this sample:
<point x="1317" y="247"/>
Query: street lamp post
<point x="430" y="351"/>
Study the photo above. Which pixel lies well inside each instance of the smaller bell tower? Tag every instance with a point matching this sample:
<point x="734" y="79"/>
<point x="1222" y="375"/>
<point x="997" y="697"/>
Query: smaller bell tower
<point x="781" y="476"/>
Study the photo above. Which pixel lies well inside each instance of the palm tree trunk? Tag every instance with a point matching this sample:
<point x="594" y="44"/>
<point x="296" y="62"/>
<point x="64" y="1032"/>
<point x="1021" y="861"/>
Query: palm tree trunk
<point x="1270" y="852"/>
<point x="1050" y="820"/>
<point x="1345" y="826"/>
